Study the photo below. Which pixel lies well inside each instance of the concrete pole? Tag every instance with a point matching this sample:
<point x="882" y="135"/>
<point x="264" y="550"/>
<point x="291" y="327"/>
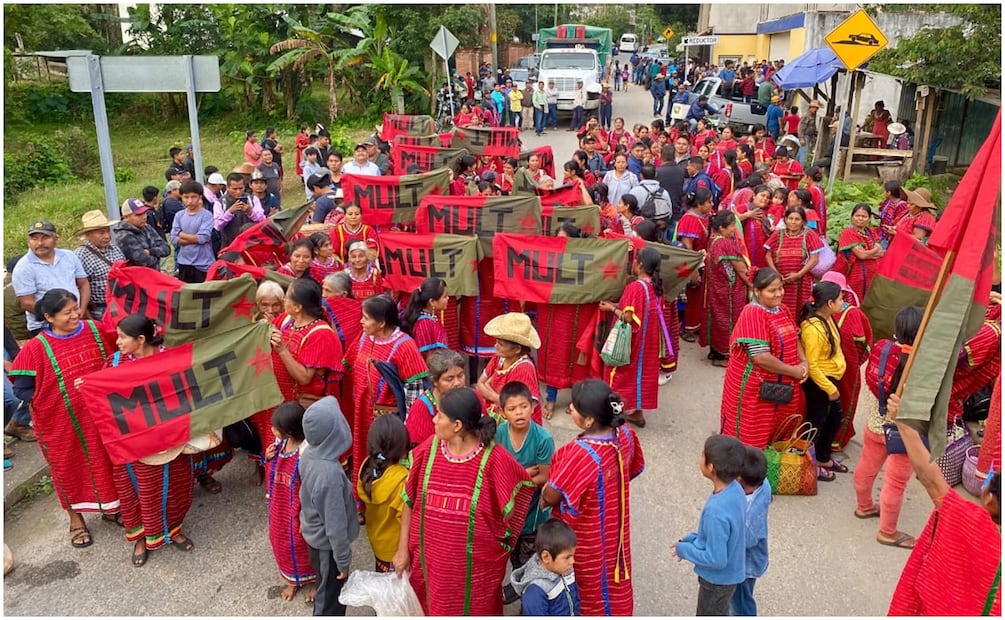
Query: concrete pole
<point x="494" y="36"/>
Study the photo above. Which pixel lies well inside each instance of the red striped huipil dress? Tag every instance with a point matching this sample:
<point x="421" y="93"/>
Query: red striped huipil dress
<point x="790" y="253"/>
<point x="694" y="226"/>
<point x="858" y="272"/>
<point x="466" y="514"/>
<point x="560" y="326"/>
<point x="154" y="499"/>
<point x="743" y="414"/>
<point x="524" y="371"/>
<point x="592" y="474"/>
<point x="283" y="497"/>
<point x="856" y="342"/>
<point x="369" y="285"/>
<point x="429" y="334"/>
<point x="637" y="381"/>
<point x="79" y="466"/>
<point x="725" y="294"/>
<point x="342" y="238"/>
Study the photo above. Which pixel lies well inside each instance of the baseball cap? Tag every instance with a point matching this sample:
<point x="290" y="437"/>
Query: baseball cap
<point x="360" y="145"/>
<point x="133" y="206"/>
<point x="172" y="185"/>
<point x="216" y="179"/>
<point x="318" y="179"/>
<point x="257" y="176"/>
<point x="370" y="141"/>
<point x="42" y="226"/>
<point x="489" y="176"/>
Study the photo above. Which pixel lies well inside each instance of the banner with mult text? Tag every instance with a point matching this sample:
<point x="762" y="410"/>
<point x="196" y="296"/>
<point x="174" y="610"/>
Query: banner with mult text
<point x="558" y="270"/>
<point x="406" y="124"/>
<point x="409" y="258"/>
<point x="494" y="141"/>
<point x="481" y="216"/>
<point x="427" y="158"/>
<point x="586" y="218"/>
<point x="388" y="200"/>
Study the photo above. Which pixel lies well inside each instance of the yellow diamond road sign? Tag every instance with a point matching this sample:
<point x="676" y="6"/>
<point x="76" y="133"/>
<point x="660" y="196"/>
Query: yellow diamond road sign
<point x="856" y="40"/>
<point x="668" y="33"/>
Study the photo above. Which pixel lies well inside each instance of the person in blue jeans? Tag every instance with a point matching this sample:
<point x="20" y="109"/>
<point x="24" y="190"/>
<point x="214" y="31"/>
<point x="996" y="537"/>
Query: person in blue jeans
<point x="658" y="89"/>
<point x="753" y="479"/>
<point x="17" y="417"/>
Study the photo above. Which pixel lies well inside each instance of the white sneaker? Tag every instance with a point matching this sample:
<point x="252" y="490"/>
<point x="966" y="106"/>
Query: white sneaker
<point x="665" y="377"/>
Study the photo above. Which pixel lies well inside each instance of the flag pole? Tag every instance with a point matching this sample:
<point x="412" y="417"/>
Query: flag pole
<point x="933" y="300"/>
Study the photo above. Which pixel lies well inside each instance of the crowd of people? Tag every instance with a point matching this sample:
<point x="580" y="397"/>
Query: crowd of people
<point x="452" y="472"/>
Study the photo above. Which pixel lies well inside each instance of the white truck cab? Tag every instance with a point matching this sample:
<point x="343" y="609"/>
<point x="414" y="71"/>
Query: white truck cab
<point x="567" y="66"/>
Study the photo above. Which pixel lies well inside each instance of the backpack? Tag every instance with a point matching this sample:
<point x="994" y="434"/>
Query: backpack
<point x="692" y="185"/>
<point x="655" y="206"/>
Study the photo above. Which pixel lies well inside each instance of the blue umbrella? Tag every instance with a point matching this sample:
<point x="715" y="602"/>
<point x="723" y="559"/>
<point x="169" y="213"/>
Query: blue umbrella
<point x="813" y="67"/>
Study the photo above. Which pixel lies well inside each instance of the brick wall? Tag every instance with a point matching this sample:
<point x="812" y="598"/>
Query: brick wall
<point x="469" y="59"/>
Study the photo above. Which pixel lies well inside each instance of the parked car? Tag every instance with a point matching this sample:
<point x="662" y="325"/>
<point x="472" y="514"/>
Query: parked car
<point x="519" y="76"/>
<point x="732" y="110"/>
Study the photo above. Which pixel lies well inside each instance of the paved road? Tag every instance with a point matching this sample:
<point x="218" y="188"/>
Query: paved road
<point x="824" y="562"/>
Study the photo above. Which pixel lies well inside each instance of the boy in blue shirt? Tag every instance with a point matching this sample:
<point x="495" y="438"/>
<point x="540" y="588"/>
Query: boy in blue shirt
<point x="532" y="446"/>
<point x="753" y="479"/>
<point x="547" y="583"/>
<point x="717" y="549"/>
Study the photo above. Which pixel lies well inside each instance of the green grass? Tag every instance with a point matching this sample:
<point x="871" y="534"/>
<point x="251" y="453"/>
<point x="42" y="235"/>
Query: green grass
<point x="141" y="148"/>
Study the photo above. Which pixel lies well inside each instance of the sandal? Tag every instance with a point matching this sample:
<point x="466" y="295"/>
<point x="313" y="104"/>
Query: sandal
<point x="549" y="410"/>
<point x="867" y="514"/>
<point x="637" y="419"/>
<point x="836" y="466"/>
<point x="824" y="474"/>
<point x="901" y="539"/>
<point x="210" y="484"/>
<point x="139" y="559"/>
<point x="689" y="336"/>
<point x="185" y="544"/>
<point x="115" y="518"/>
<point x="721" y="363"/>
<point x="82" y="538"/>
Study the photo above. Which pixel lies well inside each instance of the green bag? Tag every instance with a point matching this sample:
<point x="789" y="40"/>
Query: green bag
<point x="617" y="349"/>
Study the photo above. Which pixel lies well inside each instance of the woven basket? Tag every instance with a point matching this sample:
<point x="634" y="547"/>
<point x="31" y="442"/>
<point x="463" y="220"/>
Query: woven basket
<point x="951" y="463"/>
<point x="972" y="479"/>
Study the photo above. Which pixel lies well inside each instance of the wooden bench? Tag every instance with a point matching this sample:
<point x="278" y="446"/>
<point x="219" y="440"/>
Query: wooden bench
<point x="895" y="165"/>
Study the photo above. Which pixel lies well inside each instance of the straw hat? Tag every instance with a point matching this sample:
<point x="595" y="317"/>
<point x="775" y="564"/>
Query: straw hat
<point x="515" y="327"/>
<point x="921" y="197"/>
<point x="160" y="458"/>
<point x="244" y="168"/>
<point x="93" y="220"/>
<point x="896" y="129"/>
<point x="201" y="443"/>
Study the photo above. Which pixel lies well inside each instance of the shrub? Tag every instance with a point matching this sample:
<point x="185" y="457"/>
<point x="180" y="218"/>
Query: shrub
<point x="40" y="160"/>
<point x="80" y="151"/>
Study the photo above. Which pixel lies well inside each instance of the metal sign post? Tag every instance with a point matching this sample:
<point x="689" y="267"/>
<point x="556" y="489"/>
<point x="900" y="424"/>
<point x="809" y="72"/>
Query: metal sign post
<point x="444" y="44"/>
<point x="140" y="74"/>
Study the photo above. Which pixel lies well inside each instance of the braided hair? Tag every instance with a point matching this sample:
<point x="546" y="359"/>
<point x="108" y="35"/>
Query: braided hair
<point x="386" y="444"/>
<point x="649" y="259"/>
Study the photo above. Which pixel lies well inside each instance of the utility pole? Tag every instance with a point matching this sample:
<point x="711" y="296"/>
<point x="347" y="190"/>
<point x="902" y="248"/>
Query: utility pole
<point x="494" y="37"/>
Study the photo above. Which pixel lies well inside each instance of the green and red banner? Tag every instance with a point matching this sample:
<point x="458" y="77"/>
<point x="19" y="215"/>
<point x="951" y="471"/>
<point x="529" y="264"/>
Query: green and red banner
<point x="558" y="270"/>
<point x="546" y="156"/>
<point x="410" y="258"/>
<point x="495" y="141"/>
<point x="676" y="264"/>
<point x="967" y="236"/>
<point x="391" y="200"/>
<point x="586" y="218"/>
<point x="162" y="401"/>
<point x="443" y="140"/>
<point x="426" y="157"/>
<point x="225" y="270"/>
<point x="904" y="277"/>
<point x="406" y="124"/>
<point x="186" y="311"/>
<point x="481" y="216"/>
<point x="265" y="242"/>
<point x="523" y="183"/>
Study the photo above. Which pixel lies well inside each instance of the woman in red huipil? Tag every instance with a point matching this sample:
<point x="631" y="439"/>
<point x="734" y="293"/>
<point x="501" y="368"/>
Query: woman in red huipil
<point x="351" y="229"/>
<point x="859" y="251"/>
<point x="366" y="278"/>
<point x="726" y="287"/>
<point x="811" y="181"/>
<point x="701" y="134"/>
<point x="45" y="374"/>
<point x="692" y="231"/>
<point x="381" y="340"/>
<point x="301" y="142"/>
<point x="155" y="492"/>
<point x="325" y="261"/>
<point x="283" y="498"/>
<point x="754" y="224"/>
<point x="302" y="254"/>
<point x="919" y="220"/>
<point x="421" y="319"/>
<point x="456" y="542"/>
<point x="764" y="346"/>
<point x="515" y="339"/>
<point x="792" y="251"/>
<point x="640" y="306"/>
<point x="590" y="486"/>
<point x="856" y="343"/>
<point x="979" y="361"/>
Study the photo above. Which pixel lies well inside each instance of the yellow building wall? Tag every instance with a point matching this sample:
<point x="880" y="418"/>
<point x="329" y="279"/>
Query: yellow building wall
<point x="752" y="47"/>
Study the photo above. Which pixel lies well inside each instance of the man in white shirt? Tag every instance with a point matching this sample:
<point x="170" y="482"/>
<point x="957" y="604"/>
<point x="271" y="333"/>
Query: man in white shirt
<point x="360" y="163"/>
<point x="552" y="94"/>
<point x="579" y="106"/>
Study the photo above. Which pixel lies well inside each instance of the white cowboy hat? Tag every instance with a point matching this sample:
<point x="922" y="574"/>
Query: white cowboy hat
<point x="896" y="129"/>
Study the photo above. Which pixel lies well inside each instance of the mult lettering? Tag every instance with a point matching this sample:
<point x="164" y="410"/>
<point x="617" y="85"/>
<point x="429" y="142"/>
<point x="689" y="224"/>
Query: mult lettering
<point x="542" y="266"/>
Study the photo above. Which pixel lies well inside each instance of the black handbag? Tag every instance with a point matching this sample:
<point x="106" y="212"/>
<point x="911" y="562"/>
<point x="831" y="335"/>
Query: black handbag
<point x="894" y="441"/>
<point x="777" y="392"/>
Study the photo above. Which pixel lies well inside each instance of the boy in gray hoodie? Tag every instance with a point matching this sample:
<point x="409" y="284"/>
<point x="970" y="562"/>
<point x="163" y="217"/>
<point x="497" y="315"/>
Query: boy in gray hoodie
<point x="547" y="583"/>
<point x="328" y="511"/>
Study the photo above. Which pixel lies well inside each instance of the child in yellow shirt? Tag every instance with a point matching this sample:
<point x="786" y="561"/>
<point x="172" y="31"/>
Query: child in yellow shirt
<point x="381" y="479"/>
<point x="821" y="342"/>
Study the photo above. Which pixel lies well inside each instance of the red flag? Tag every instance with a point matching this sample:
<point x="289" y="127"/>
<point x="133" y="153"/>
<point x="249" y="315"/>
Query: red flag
<point x="388" y="200"/>
<point x="561" y="196"/>
<point x="265" y="242"/>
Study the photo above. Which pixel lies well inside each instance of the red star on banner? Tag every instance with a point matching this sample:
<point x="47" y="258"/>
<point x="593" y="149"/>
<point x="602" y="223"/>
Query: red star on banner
<point x="611" y="270"/>
<point x="474" y="265"/>
<point x="587" y="228"/>
<point x="683" y="271"/>
<point x="243" y="308"/>
<point x="529" y="223"/>
<point x="262" y="361"/>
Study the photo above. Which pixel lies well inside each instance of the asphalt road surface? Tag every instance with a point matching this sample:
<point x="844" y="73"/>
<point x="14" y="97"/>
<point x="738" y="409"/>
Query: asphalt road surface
<point x="823" y="561"/>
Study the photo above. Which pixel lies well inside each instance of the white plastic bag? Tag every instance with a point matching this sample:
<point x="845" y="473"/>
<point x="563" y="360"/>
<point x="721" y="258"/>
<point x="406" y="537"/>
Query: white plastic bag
<point x="384" y="592"/>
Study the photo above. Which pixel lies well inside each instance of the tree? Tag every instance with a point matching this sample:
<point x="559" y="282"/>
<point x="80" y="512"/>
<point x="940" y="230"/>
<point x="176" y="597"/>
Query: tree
<point x="965" y="57"/>
<point x="50" y="27"/>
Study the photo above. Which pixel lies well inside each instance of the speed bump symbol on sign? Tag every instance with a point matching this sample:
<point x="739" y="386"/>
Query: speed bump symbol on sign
<point x="856" y="39"/>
